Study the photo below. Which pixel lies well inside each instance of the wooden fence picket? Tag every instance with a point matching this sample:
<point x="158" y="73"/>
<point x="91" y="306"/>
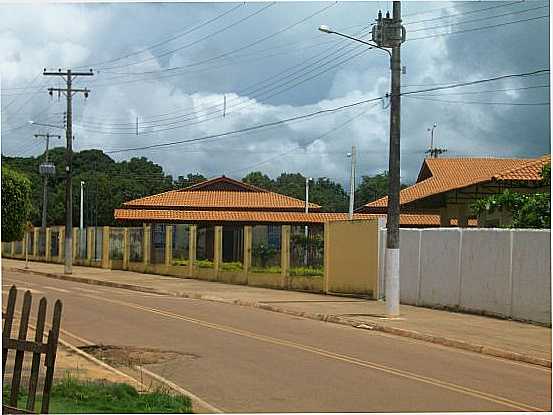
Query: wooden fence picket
<point x="37" y="347"/>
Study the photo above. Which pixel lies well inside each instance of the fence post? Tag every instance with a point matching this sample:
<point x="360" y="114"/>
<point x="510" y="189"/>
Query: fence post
<point x="35" y="242"/>
<point x="218" y="248"/>
<point x="61" y="244"/>
<point x="105" y="247"/>
<point x="89" y="245"/>
<point x="146" y="245"/>
<point x="326" y="257"/>
<point x="12" y="248"/>
<point x="75" y="241"/>
<point x="126" y="251"/>
<point x="168" y="245"/>
<point x="285" y="255"/>
<point x="247" y="250"/>
<point x="48" y="244"/>
<point x="192" y="232"/>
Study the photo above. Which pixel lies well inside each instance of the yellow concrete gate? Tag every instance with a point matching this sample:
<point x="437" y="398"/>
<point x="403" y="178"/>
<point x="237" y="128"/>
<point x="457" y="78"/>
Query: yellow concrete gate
<point x="351" y="257"/>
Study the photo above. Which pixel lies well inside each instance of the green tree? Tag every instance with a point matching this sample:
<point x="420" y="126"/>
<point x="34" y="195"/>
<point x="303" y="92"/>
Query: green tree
<point x="259" y="179"/>
<point x="190" y="180"/>
<point x="372" y="188"/>
<point x="16" y="204"/>
<point x="527" y="210"/>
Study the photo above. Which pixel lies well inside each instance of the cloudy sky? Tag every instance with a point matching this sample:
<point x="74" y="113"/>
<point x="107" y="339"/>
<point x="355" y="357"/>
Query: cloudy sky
<point x="174" y="65"/>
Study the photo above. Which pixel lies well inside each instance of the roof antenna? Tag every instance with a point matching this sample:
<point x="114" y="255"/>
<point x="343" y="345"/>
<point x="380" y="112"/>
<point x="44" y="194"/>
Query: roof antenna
<point x="434" y="151"/>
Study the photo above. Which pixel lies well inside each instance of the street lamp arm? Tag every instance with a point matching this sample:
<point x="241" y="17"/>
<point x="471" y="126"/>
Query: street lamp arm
<point x="372" y="45"/>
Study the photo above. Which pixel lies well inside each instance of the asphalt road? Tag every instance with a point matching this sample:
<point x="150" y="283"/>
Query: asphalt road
<point x="241" y="359"/>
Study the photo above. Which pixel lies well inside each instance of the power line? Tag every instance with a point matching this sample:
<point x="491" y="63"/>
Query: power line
<point x="480" y="19"/>
<point x="263" y="94"/>
<point x="247" y="129"/>
<point x="243" y="19"/>
<point x="478" y="28"/>
<point x="480" y="102"/>
<point x="155" y="45"/>
<point x="464" y="13"/>
<point x="486" y="91"/>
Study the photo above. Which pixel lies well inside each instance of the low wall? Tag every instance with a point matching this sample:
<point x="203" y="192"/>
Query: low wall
<point x="498" y="272"/>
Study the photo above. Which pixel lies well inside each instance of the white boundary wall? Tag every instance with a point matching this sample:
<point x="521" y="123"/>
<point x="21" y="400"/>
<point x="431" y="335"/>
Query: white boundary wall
<point x="502" y="272"/>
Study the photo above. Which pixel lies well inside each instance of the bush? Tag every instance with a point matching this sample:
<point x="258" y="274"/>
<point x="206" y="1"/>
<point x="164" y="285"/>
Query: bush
<point x="16" y="204"/>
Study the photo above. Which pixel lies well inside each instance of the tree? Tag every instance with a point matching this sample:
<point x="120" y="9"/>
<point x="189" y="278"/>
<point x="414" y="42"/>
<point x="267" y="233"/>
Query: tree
<point x="16" y="204"/>
<point x="259" y="179"/>
<point x="190" y="180"/>
<point x="527" y="210"/>
<point x="372" y="188"/>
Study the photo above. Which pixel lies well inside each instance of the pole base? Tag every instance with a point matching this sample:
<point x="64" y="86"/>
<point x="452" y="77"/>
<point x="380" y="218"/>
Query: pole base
<point x="392" y="282"/>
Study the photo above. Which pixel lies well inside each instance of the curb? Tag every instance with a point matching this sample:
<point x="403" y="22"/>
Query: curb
<point x="440" y="340"/>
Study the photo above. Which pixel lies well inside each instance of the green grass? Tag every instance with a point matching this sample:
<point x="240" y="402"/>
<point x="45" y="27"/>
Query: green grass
<point x="72" y="396"/>
<point x="180" y="262"/>
<point x="306" y="272"/>
<point x="204" y="263"/>
<point x="232" y="266"/>
<point x="275" y="269"/>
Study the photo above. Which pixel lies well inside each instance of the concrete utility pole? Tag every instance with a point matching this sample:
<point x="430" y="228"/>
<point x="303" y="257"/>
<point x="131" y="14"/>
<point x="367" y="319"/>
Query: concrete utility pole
<point x="69" y="91"/>
<point x="388" y="33"/>
<point x="352" y="182"/>
<point x="46" y="169"/>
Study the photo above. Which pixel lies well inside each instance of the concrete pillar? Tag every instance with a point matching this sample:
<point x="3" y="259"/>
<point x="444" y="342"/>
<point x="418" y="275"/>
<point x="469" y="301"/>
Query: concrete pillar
<point x="12" y="248"/>
<point x="146" y="244"/>
<point x="105" y="247"/>
<point x="35" y="242"/>
<point x="89" y="243"/>
<point x="218" y="248"/>
<point x="192" y="236"/>
<point x="285" y="255"/>
<point x="247" y="249"/>
<point x="48" y="249"/>
<point x="168" y="245"/>
<point x="126" y="250"/>
<point x="61" y="244"/>
<point x="76" y="241"/>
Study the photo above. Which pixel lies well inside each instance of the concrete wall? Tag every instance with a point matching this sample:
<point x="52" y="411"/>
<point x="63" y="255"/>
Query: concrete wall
<point x="500" y="272"/>
<point x="351" y="257"/>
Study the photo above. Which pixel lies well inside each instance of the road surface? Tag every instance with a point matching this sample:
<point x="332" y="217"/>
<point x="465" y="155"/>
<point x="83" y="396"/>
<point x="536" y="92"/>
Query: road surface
<point x="242" y="359"/>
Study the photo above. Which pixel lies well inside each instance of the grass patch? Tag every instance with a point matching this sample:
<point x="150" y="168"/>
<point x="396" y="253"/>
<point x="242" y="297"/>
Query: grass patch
<point x="275" y="269"/>
<point x="231" y="266"/>
<point x="306" y="272"/>
<point x="204" y="263"/>
<point x="73" y="396"/>
<point x="180" y="262"/>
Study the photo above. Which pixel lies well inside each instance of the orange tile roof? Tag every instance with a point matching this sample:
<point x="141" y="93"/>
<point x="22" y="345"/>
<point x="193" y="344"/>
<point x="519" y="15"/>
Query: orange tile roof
<point x="530" y="171"/>
<point x="260" y="217"/>
<point x="209" y="195"/>
<point x="455" y="173"/>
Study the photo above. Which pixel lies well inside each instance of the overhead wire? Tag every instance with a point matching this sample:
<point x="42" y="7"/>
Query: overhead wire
<point x="210" y="35"/>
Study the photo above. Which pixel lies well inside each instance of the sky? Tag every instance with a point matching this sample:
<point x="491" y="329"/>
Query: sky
<point x="187" y="71"/>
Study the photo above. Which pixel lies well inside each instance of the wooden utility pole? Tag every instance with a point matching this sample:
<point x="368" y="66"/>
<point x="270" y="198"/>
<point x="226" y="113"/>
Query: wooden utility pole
<point x="46" y="169"/>
<point x="69" y="91"/>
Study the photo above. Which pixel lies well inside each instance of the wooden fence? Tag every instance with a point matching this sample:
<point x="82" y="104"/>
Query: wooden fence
<point x="21" y="345"/>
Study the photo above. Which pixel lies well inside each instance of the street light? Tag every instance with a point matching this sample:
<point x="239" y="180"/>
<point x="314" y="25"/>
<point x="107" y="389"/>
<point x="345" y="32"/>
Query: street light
<point x="388" y="33"/>
<point x="45" y="125"/>
<point x="352" y="182"/>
